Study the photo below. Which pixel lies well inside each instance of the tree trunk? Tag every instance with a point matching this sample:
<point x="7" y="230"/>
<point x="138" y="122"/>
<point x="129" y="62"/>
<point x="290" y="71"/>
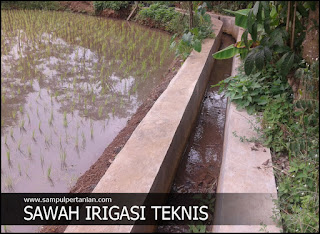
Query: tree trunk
<point x="293" y="24"/>
<point x="288" y="16"/>
<point x="190" y="15"/>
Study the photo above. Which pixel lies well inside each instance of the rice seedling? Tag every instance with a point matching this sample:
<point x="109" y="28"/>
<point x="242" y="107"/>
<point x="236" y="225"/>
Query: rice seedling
<point x="67" y="142"/>
<point x="19" y="145"/>
<point x="9" y="182"/>
<point x="63" y="157"/>
<point x="33" y="135"/>
<point x="22" y="124"/>
<point x="3" y="99"/>
<point x="28" y="116"/>
<point x="9" y="157"/>
<point x="100" y="111"/>
<point x="77" y="142"/>
<point x="29" y="151"/>
<point x="19" y="169"/>
<point x="11" y="132"/>
<point x="5" y="140"/>
<point x="14" y="113"/>
<point x="46" y="140"/>
<point x="65" y="121"/>
<point x="41" y="160"/>
<point x="49" y="171"/>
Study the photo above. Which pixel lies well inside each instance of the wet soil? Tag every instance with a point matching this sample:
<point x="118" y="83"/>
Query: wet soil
<point x="199" y="168"/>
<point x="78" y="6"/>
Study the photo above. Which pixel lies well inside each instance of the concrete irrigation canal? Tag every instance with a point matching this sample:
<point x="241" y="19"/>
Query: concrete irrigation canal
<point x="171" y="148"/>
<point x="65" y="97"/>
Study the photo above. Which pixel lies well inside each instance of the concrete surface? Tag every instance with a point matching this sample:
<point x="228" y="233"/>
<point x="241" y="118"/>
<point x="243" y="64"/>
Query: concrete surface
<point x="148" y="161"/>
<point x="240" y="171"/>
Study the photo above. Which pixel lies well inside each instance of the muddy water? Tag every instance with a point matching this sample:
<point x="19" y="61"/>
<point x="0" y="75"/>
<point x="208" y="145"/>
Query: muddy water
<point x="69" y="83"/>
<point x="199" y="168"/>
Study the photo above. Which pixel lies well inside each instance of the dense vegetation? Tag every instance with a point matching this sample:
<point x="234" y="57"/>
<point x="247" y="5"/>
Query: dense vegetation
<point x="112" y="5"/>
<point x="280" y="83"/>
<point x="163" y="16"/>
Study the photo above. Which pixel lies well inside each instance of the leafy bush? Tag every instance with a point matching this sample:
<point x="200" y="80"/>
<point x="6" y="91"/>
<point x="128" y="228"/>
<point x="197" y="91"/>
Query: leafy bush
<point x="112" y="5"/>
<point x="288" y="128"/>
<point x="161" y="16"/>
<point x="192" y="38"/>
<point x="253" y="92"/>
<point x="231" y="5"/>
<point x="299" y="196"/>
<point x="290" y="124"/>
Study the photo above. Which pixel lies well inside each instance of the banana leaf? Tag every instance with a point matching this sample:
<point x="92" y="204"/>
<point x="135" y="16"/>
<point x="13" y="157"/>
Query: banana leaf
<point x="241" y="17"/>
<point x="227" y="52"/>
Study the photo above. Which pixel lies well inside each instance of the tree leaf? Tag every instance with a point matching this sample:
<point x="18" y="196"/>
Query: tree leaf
<point x="267" y="25"/>
<point x="250" y="21"/>
<point x="287" y="63"/>
<point x="249" y="63"/>
<point x="197" y="45"/>
<point x="267" y="53"/>
<point x="259" y="59"/>
<point x="273" y="12"/>
<point x="302" y="10"/>
<point x="187" y="37"/>
<point x="244" y="38"/>
<point x="254" y="32"/>
<point x="256" y="8"/>
<point x="262" y="100"/>
<point x="241" y="17"/>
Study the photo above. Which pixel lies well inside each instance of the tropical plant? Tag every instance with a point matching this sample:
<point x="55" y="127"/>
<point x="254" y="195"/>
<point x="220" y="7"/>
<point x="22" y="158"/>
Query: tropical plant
<point x="192" y="38"/>
<point x="270" y="35"/>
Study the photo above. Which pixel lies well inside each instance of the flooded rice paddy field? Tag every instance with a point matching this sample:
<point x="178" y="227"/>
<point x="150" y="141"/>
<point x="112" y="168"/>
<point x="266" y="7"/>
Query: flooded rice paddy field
<point x="69" y="83"/>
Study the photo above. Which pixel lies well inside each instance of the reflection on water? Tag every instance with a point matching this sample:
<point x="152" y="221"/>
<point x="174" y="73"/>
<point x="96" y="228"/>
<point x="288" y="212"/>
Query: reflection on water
<point x="69" y="83"/>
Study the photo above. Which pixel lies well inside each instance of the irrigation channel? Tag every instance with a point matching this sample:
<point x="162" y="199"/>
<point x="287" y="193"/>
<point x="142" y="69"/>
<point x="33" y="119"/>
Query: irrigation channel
<point x="199" y="168"/>
<point x="69" y="83"/>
